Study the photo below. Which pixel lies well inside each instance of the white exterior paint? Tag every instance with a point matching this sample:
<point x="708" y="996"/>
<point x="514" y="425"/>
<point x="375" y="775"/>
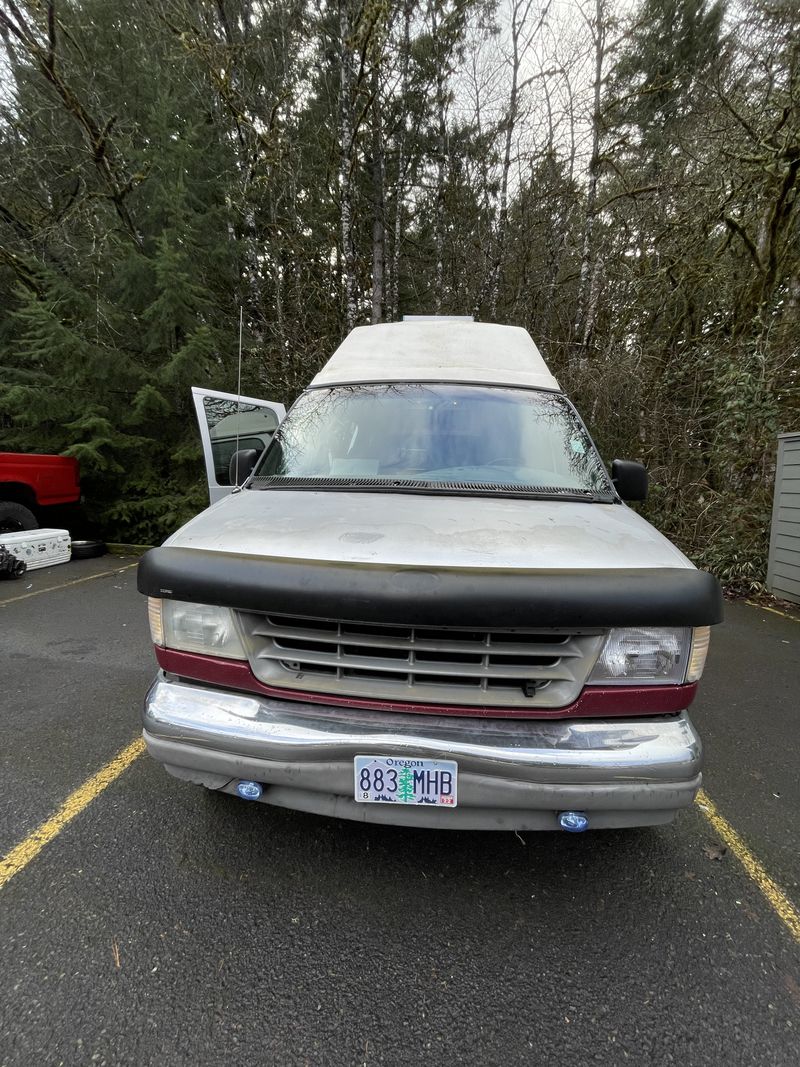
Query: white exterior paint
<point x="205" y="734"/>
<point x="419" y="530"/>
<point x="406" y="530"/>
<point x="438" y="351"/>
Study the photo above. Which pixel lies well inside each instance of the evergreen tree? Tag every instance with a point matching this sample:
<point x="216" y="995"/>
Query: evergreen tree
<point x="163" y="165"/>
<point x="405" y="786"/>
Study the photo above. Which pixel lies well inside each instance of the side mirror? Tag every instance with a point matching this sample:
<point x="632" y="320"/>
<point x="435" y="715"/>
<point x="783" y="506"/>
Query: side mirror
<point x="630" y="479"/>
<point x="241" y="465"/>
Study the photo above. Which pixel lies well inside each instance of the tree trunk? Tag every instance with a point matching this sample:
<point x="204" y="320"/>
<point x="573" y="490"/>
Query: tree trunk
<point x="441" y="170"/>
<point x="518" y="18"/>
<point x="401" y="167"/>
<point x="588" y="290"/>
<point x="345" y="166"/>
<point x="379" y="206"/>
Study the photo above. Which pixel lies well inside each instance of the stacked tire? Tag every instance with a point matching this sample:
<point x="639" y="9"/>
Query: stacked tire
<point x="16" y="517"/>
<point x="88" y="549"/>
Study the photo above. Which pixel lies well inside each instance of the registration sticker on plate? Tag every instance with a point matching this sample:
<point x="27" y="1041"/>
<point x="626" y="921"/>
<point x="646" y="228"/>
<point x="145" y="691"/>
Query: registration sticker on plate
<point x="406" y="780"/>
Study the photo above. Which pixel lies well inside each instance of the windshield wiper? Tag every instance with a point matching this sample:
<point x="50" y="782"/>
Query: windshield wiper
<point x="439" y="488"/>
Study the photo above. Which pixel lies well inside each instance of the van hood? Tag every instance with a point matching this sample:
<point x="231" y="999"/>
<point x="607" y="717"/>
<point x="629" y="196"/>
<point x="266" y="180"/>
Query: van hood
<point x="395" y="529"/>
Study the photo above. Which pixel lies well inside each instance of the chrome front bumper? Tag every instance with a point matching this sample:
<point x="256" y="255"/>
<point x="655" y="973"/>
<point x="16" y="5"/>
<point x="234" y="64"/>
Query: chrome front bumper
<point x="513" y="774"/>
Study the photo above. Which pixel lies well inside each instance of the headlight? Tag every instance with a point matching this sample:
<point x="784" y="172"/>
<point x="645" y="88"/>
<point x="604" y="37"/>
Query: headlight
<point x="194" y="628"/>
<point x="643" y="655"/>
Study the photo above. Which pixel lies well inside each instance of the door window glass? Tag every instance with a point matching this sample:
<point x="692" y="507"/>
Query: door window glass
<point x="230" y="422"/>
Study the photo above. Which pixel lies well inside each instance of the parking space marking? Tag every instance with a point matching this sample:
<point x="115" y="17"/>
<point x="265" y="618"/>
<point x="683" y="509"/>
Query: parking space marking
<point x="66" y="585"/>
<point x="773" y="893"/>
<point x="28" y="849"/>
<point x="21" y="855"/>
<point x="775" y="611"/>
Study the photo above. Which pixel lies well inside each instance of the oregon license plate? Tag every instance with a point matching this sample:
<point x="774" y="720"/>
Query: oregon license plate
<point x="406" y="780"/>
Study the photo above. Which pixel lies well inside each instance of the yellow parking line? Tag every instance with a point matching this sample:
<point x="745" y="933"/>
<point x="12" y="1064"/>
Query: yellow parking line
<point x="775" y="896"/>
<point x="29" y="848"/>
<point x="775" y="611"/>
<point x="64" y="585"/>
<point x="21" y="855"/>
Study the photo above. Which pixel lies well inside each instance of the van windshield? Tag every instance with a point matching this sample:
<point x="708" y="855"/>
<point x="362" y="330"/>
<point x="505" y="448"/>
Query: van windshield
<point x="450" y="437"/>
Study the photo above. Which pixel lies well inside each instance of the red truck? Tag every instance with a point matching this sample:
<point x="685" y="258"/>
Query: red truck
<point x="35" y="489"/>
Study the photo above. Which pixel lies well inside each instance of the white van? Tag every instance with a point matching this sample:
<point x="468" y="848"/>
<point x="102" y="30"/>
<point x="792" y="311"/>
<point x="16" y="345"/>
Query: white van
<point x="428" y="593"/>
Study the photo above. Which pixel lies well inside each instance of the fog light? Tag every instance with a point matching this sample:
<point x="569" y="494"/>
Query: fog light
<point x="574" y="822"/>
<point x="249" y="790"/>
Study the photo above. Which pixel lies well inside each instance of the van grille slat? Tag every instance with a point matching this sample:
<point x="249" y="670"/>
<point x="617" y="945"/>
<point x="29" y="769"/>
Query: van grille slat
<point x="506" y="644"/>
<point x="546" y="670"/>
<point x="498" y="668"/>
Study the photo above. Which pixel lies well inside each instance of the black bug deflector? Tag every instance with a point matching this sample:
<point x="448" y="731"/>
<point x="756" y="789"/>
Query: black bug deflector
<point x="442" y="597"/>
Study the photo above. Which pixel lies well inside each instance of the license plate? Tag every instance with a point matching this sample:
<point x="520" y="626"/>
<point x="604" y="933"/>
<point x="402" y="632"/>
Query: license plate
<point x="401" y="780"/>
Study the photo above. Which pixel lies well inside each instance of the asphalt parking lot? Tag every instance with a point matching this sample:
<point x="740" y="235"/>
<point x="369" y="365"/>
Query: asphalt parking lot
<point x="166" y="925"/>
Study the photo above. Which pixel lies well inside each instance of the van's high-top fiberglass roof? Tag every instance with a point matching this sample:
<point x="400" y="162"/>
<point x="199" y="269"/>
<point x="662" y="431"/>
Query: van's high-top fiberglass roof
<point x="446" y="350"/>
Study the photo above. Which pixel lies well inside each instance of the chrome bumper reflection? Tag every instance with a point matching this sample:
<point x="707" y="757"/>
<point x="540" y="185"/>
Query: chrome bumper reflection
<point x="320" y="741"/>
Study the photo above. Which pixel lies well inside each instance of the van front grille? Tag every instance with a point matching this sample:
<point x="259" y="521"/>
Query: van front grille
<point x="433" y="665"/>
